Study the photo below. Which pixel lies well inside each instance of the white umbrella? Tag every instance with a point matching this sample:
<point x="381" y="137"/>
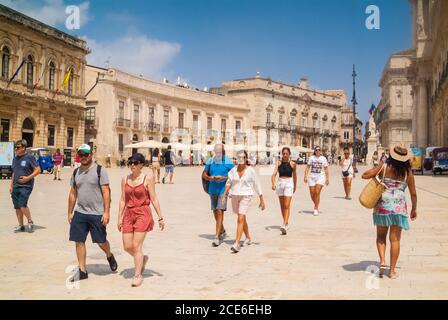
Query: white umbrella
<point x="149" y="144"/>
<point x="179" y="146"/>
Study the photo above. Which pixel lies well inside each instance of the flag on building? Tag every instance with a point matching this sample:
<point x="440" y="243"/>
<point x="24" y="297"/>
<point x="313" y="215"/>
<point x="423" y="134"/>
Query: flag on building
<point x="372" y="109"/>
<point x="41" y="77"/>
<point x="17" y="72"/>
<point x="64" y="84"/>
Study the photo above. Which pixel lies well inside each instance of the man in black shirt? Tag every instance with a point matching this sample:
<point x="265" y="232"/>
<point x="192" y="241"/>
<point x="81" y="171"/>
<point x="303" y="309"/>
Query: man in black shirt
<point x="169" y="164"/>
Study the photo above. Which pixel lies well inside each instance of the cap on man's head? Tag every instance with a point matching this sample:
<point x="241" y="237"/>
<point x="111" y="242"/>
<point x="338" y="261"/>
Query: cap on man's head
<point x="85" y="148"/>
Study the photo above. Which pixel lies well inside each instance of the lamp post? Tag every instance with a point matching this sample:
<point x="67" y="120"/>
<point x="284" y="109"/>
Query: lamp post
<point x="354" y="102"/>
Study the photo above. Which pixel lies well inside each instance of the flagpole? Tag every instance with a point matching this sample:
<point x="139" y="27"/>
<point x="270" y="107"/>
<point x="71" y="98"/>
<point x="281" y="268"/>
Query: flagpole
<point x="16" y="73"/>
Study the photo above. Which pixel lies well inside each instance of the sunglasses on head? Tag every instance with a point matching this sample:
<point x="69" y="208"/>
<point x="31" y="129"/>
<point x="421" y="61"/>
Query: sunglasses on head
<point x="83" y="154"/>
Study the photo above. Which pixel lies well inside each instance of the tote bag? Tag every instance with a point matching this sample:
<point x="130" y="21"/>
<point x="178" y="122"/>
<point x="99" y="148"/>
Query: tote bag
<point x="372" y="192"/>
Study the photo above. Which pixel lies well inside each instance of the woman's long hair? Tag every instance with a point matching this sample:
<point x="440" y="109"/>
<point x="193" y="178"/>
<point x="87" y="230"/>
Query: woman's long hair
<point x="289" y="151"/>
<point x="245" y="154"/>
<point x="399" y="168"/>
<point x="155" y="153"/>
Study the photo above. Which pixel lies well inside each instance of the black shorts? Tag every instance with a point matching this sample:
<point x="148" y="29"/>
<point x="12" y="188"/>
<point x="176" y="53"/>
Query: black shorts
<point x="20" y="196"/>
<point x="82" y="224"/>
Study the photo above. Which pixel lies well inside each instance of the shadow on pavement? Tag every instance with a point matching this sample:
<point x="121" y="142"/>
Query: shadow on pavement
<point x="99" y="269"/>
<point x="360" y="266"/>
<point x="129" y="273"/>
<point x="306" y="212"/>
<point x="272" y="228"/>
<point x="207" y="236"/>
<point x="339" y="198"/>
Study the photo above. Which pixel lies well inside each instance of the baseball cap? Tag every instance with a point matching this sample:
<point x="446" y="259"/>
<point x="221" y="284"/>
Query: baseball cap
<point x="137" y="157"/>
<point x="85" y="148"/>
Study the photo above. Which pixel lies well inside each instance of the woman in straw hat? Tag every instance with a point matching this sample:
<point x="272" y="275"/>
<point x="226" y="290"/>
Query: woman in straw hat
<point x="391" y="211"/>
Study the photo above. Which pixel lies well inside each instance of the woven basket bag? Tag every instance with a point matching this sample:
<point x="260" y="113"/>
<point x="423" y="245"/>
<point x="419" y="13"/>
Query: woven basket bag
<point x="372" y="192"/>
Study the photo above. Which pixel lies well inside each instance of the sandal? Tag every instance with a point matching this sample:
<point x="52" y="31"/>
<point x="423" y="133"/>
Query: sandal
<point x="383" y="268"/>
<point x="393" y="276"/>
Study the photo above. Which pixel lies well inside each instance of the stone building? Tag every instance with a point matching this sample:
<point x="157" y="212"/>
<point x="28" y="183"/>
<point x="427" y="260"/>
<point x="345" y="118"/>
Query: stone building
<point x="394" y="114"/>
<point x="33" y="106"/>
<point x="429" y="72"/>
<point x="122" y="109"/>
<point x="290" y="114"/>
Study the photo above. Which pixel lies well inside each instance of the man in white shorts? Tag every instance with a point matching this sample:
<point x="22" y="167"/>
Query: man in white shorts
<point x="316" y="176"/>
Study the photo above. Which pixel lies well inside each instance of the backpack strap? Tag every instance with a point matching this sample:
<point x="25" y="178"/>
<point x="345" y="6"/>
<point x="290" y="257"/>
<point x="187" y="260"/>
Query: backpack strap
<point x="98" y="172"/>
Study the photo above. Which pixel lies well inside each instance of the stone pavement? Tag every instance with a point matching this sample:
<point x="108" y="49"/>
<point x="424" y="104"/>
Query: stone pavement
<point x="324" y="257"/>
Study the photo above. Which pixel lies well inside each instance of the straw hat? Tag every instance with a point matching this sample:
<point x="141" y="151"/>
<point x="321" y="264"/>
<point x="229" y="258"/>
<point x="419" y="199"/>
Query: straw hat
<point x="400" y="153"/>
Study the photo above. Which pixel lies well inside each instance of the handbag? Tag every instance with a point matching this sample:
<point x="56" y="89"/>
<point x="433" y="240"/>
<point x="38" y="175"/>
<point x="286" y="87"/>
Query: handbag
<point x="372" y="192"/>
<point x="205" y="183"/>
<point x="347" y="173"/>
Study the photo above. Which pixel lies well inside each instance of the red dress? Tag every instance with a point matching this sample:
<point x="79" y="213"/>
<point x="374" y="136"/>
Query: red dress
<point x="137" y="216"/>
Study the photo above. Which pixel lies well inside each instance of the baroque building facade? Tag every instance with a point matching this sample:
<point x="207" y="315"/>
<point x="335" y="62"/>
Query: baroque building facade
<point x="33" y="106"/>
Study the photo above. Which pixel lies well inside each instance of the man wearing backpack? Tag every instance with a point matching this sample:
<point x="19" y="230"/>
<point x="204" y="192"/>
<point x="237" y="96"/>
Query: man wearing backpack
<point x="91" y="193"/>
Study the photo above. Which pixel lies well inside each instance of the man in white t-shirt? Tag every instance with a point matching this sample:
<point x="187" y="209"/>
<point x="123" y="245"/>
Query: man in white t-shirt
<point x="317" y="176"/>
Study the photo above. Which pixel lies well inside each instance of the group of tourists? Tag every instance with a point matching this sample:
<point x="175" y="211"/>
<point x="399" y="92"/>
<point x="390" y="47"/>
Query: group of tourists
<point x="89" y="198"/>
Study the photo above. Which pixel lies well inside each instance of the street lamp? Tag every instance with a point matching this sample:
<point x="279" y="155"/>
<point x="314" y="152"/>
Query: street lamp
<point x="354" y="102"/>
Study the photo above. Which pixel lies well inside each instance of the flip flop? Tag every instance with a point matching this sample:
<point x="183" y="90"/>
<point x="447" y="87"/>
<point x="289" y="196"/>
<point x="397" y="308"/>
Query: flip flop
<point x="382" y="270"/>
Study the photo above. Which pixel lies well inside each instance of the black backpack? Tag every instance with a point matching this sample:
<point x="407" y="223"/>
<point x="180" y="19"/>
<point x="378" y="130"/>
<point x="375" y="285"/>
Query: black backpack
<point x="98" y="172"/>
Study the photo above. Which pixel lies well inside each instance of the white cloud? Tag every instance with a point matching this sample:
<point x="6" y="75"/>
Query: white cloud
<point x="51" y="12"/>
<point x="134" y="54"/>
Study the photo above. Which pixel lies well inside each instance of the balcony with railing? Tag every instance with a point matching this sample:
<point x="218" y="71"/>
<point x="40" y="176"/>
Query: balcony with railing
<point x="151" y="127"/>
<point x="123" y="123"/>
<point x="91" y="126"/>
<point x="326" y="132"/>
<point x="306" y="130"/>
<point x="136" y="125"/>
<point x="270" y="125"/>
<point x="283" y="127"/>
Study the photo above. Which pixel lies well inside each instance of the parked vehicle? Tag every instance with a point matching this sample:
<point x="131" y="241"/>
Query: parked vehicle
<point x="417" y="159"/>
<point x="6" y="157"/>
<point x="440" y="160"/>
<point x="43" y="158"/>
<point x="427" y="162"/>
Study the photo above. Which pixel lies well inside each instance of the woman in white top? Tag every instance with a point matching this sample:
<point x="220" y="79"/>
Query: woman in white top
<point x="316" y="175"/>
<point x="242" y="182"/>
<point x="348" y="173"/>
<point x="155" y="166"/>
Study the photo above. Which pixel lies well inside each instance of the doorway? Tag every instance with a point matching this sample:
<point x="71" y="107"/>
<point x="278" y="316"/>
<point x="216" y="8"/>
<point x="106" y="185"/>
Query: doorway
<point x="28" y="131"/>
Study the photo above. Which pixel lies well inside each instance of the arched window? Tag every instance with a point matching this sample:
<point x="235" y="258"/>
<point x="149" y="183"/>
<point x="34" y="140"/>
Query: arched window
<point x="30" y="71"/>
<point x="5" y="63"/>
<point x="70" y="83"/>
<point x="315" y="120"/>
<point x="51" y="73"/>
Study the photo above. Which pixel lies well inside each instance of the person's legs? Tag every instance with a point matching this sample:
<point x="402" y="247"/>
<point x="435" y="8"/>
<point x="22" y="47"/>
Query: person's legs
<point x="394" y="237"/>
<point x="381" y="235"/>
<point x="286" y="209"/>
<point x="137" y="245"/>
<point x="128" y="241"/>
<point x="344" y="181"/>
<point x="246" y="229"/>
<point x="26" y="212"/>
<point x="19" y="215"/>
<point x="55" y="172"/>
<point x="317" y="196"/>
<point x="105" y="246"/>
<point x="81" y="255"/>
<point x="349" y="186"/>
<point x="312" y="194"/>
<point x="282" y="207"/>
<point x="219" y="218"/>
<point x="241" y="220"/>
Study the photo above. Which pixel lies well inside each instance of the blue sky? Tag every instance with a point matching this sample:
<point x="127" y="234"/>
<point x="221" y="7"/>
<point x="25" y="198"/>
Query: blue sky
<point x="206" y="42"/>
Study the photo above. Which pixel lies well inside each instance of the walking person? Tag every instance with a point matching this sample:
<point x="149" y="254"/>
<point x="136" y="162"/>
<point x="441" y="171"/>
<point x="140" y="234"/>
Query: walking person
<point x="285" y="186"/>
<point x="91" y="194"/>
<point x="134" y="215"/>
<point x="390" y="215"/>
<point x="346" y="163"/>
<point x="58" y="159"/>
<point x="169" y="158"/>
<point x="216" y="171"/>
<point x="155" y="165"/>
<point x="317" y="176"/>
<point x="242" y="182"/>
<point x="24" y="169"/>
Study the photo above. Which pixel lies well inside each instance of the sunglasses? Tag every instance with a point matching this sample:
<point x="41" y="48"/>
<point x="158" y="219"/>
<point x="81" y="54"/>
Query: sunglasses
<point x="135" y="163"/>
<point x="317" y="150"/>
<point x="83" y="154"/>
<point x="18" y="147"/>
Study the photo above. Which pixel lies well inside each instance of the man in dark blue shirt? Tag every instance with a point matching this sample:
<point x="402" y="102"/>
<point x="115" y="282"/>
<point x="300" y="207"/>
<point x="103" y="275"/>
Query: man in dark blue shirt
<point x="24" y="169"/>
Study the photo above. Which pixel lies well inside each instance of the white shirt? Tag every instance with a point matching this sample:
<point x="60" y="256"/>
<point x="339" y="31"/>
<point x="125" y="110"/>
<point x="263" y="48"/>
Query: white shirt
<point x="246" y="185"/>
<point x="317" y="165"/>
<point x="346" y="164"/>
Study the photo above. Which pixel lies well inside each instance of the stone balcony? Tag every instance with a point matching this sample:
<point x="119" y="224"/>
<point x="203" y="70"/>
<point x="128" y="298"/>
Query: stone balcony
<point x="123" y="123"/>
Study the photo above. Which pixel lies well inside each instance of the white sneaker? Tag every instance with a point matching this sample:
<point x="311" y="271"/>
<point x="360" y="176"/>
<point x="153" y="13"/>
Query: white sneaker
<point x="316" y="212"/>
<point x="247" y="242"/>
<point x="283" y="229"/>
<point x="235" y="248"/>
<point x="216" y="242"/>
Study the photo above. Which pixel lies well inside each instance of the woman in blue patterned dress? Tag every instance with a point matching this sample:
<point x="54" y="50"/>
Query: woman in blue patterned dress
<point x="391" y="210"/>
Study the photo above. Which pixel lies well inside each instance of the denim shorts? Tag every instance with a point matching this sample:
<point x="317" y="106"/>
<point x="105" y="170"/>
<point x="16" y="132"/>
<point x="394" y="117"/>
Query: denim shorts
<point x="169" y="168"/>
<point x="82" y="224"/>
<point x="216" y="203"/>
<point x="20" y="196"/>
